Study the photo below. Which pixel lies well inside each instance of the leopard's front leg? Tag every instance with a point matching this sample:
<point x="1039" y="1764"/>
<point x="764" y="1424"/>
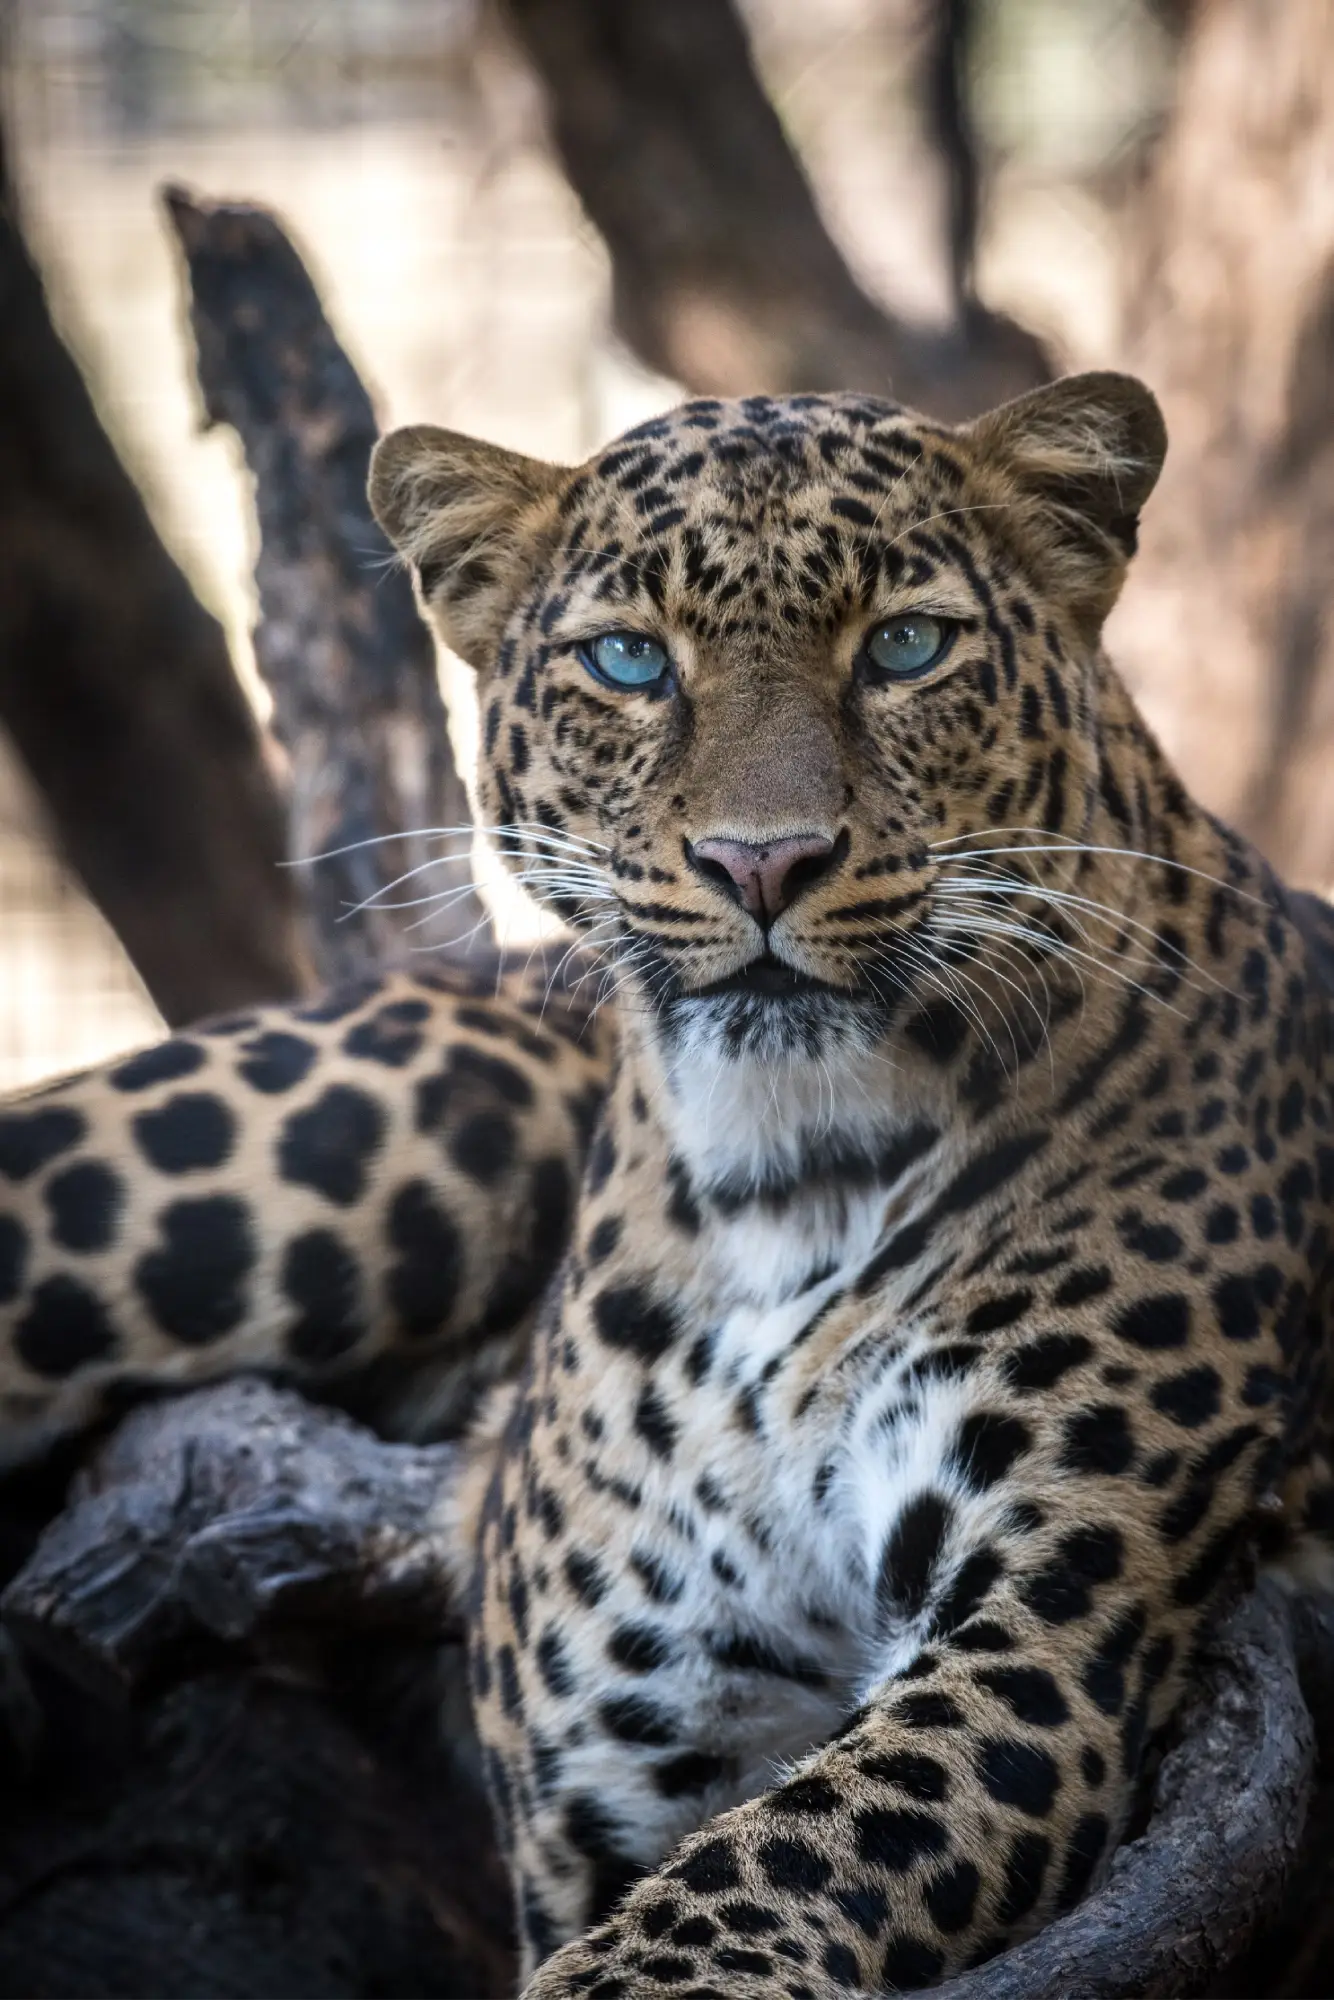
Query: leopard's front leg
<point x="967" y="1801"/>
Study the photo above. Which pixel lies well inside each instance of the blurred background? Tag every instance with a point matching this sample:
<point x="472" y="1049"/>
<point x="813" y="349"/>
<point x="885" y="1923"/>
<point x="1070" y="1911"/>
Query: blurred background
<point x="539" y="221"/>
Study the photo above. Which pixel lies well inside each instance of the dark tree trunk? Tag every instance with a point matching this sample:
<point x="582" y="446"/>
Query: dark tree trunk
<point x="723" y="273"/>
<point x="1229" y="612"/>
<point x="118" y="691"/>
<point x="340" y="643"/>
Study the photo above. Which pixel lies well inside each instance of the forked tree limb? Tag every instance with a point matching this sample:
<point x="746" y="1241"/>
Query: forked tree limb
<point x="339" y="642"/>
<point x="119" y="693"/>
<point x="243" y="1513"/>
<point x="723" y="273"/>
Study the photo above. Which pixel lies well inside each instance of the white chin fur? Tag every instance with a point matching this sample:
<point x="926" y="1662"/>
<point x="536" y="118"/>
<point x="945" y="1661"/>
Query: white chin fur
<point x="754" y="1114"/>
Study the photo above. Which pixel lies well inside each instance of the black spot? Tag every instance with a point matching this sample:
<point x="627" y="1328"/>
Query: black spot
<point x="990" y="1170"/>
<point x="1082" y="1285"/>
<point x="1191" y="1398"/>
<point x="1162" y="1320"/>
<point x="13" y="1257"/>
<point x="1156" y="1242"/>
<point x="744" y="1653"/>
<point x="709" y="1869"/>
<point x="912" y="1550"/>
<point x="601" y="1161"/>
<point x="602" y="1239"/>
<point x="329" y="1146"/>
<point x="749" y="1919"/>
<point x="921" y="1777"/>
<point x="1085" y="1557"/>
<point x="392" y="1035"/>
<point x="794" y="1865"/>
<point x="1043" y="1362"/>
<point x="166" y="1063"/>
<point x="654" y="1422"/>
<point x="323" y="1280"/>
<point x="998" y="1312"/>
<point x="687" y="1775"/>
<point x="640" y="1648"/>
<point x="194" y="1284"/>
<point x="987" y="1446"/>
<point x="630" y="1718"/>
<point x="1211" y="1565"/>
<point x="30" y="1140"/>
<point x="190" y="1132"/>
<point x="928" y="1711"/>
<point x="586" y="1577"/>
<point x="971" y="1582"/>
<point x="1025" y="1867"/>
<point x="629" y="1318"/>
<point x="984" y="1636"/>
<point x="661" y="1583"/>
<point x="84" y="1203"/>
<point x="553" y="1663"/>
<point x="1238" y="1306"/>
<point x="841" y="1964"/>
<point x="1031" y="1693"/>
<point x="1104" y="1675"/>
<point x="951" y="1896"/>
<point x="1081" y="1858"/>
<point x="66" y="1327"/>
<point x="484" y="1146"/>
<point x="275" y="1061"/>
<point x="1098" y="1440"/>
<point x="1019" y="1774"/>
<point x="814" y="1795"/>
<point x="897" y="1837"/>
<point x="909" y="1962"/>
<point x="424" y="1283"/>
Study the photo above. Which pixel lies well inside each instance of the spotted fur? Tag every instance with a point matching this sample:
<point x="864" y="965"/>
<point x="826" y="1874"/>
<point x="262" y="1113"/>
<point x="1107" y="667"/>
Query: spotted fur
<point x="945" y="1319"/>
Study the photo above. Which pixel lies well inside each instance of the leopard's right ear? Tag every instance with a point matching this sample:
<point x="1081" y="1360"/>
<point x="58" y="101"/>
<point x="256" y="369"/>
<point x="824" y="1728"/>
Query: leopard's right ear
<point x="470" y="518"/>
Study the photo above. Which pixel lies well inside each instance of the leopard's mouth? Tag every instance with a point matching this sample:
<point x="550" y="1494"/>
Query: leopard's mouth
<point x="767" y="978"/>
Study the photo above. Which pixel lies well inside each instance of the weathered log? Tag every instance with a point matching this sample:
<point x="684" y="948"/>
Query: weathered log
<point x="235" y="1511"/>
<point x="723" y="273"/>
<point x="242" y="1513"/>
<point x="339" y="641"/>
<point x="118" y="691"/>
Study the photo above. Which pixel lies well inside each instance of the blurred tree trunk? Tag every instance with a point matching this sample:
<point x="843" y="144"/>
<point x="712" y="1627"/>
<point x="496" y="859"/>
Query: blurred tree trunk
<point x="1230" y="609"/>
<point x="118" y="690"/>
<point x="723" y="273"/>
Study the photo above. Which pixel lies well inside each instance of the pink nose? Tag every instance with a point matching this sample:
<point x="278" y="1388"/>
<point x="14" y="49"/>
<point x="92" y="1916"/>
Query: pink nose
<point x="764" y="877"/>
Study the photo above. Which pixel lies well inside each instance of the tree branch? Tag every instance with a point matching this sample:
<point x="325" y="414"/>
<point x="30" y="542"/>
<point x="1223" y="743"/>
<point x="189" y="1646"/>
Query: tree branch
<point x="723" y="273"/>
<point x="117" y="688"/>
<point x="340" y="644"/>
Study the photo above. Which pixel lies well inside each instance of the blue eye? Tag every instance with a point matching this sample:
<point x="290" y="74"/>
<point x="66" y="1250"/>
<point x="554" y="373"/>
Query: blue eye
<point x="626" y="660"/>
<point x="904" y="647"/>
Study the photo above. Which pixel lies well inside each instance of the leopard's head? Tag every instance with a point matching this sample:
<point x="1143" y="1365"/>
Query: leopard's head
<point x="749" y="675"/>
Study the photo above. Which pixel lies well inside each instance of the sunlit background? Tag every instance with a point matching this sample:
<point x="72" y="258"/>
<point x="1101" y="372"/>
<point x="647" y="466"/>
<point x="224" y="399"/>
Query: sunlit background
<point x="403" y="142"/>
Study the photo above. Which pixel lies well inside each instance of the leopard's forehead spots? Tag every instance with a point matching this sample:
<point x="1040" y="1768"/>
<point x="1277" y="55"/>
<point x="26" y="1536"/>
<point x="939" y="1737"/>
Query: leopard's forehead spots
<point x="755" y="519"/>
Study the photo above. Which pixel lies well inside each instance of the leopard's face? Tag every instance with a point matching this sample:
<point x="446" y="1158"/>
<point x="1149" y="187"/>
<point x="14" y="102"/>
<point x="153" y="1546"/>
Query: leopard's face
<point x="750" y="675"/>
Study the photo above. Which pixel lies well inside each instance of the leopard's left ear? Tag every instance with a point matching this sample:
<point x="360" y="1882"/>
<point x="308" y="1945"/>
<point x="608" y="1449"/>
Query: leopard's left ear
<point x="470" y="518"/>
<point x="1086" y="453"/>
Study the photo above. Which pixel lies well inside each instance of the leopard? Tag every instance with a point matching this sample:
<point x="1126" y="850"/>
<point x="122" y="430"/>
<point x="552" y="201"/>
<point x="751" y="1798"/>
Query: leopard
<point x="881" y="1271"/>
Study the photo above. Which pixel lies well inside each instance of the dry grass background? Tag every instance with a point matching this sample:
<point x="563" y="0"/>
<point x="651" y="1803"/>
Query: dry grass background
<point x="403" y="144"/>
